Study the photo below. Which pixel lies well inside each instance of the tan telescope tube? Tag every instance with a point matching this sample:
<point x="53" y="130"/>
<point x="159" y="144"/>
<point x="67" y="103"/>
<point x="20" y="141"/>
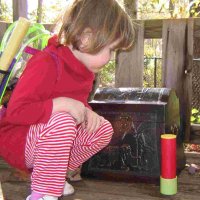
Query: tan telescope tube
<point x="13" y="44"/>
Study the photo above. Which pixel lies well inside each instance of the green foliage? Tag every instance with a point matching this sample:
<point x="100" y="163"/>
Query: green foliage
<point x="50" y="12"/>
<point x="195" y="117"/>
<point x="5" y="13"/>
<point x="194" y="5"/>
<point x="51" y="9"/>
<point x="154" y="9"/>
<point x="152" y="55"/>
<point x="107" y="75"/>
<point x="147" y="9"/>
<point x="148" y="80"/>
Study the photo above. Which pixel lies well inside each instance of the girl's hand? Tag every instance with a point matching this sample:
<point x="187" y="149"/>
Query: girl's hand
<point x="75" y="108"/>
<point x="92" y="121"/>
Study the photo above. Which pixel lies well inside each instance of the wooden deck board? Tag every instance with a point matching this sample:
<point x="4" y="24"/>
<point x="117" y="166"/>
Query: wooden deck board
<point x="94" y="189"/>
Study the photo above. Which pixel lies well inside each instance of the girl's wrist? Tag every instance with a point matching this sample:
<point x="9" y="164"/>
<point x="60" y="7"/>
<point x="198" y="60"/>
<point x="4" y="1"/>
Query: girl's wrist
<point x="59" y="104"/>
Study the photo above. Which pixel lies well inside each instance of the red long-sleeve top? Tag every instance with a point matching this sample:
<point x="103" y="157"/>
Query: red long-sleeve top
<point x="45" y="77"/>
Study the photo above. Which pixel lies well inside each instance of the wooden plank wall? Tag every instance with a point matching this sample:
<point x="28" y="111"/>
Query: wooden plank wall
<point x="152" y="28"/>
<point x="129" y="65"/>
<point x="177" y="57"/>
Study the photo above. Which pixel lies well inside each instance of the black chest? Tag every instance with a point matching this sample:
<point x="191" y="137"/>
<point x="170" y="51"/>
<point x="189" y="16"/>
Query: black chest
<point x="138" y="116"/>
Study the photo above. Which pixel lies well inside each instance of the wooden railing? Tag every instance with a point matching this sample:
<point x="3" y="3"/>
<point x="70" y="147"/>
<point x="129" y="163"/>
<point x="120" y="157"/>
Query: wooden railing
<point x="178" y="37"/>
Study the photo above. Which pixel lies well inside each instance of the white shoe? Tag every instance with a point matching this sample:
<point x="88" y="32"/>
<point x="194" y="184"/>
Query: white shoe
<point x="68" y="189"/>
<point x="28" y="198"/>
<point x="46" y="197"/>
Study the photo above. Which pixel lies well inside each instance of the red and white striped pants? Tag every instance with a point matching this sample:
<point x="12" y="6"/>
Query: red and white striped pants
<point x="58" y="146"/>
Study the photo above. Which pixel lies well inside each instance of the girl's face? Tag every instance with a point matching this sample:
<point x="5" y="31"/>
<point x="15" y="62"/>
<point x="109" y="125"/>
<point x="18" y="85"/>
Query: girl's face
<point x="97" y="61"/>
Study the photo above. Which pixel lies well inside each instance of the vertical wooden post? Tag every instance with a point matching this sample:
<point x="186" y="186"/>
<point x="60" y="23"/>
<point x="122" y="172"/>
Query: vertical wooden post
<point x="20" y="9"/>
<point x="177" y="65"/>
<point x="39" y="11"/>
<point x="3" y="28"/>
<point x="1" y="11"/>
<point x="129" y="65"/>
<point x="188" y="76"/>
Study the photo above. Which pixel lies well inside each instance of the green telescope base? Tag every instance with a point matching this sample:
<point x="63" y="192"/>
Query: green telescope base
<point x="168" y="186"/>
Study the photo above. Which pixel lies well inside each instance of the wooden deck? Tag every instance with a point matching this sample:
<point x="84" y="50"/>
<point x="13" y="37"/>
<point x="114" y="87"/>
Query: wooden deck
<point x="92" y="189"/>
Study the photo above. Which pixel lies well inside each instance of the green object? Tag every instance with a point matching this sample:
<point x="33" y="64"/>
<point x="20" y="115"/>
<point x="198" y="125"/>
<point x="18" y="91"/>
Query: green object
<point x="37" y="37"/>
<point x="168" y="186"/>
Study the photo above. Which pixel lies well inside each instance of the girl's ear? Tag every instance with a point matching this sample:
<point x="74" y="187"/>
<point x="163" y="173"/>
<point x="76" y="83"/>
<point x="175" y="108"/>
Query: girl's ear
<point x="85" y="38"/>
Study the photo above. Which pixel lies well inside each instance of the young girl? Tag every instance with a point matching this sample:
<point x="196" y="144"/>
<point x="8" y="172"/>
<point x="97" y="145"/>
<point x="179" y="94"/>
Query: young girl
<point x="49" y="128"/>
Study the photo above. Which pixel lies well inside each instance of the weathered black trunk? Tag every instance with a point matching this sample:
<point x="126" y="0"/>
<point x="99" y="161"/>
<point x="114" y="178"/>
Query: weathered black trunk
<point x="139" y="116"/>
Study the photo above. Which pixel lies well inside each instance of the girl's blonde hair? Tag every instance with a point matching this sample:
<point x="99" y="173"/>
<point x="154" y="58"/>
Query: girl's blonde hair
<point x="106" y="19"/>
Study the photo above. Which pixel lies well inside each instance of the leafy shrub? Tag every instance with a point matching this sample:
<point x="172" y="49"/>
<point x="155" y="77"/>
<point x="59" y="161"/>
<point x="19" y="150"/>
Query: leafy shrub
<point x="107" y="75"/>
<point x="195" y="117"/>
